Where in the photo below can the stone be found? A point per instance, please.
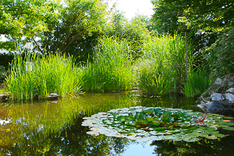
(3, 97)
(53, 96)
(229, 97)
(230, 90)
(218, 81)
(230, 84)
(217, 97)
(217, 107)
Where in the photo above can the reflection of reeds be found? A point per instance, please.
(111, 69)
(51, 73)
(197, 82)
(163, 65)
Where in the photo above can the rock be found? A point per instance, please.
(53, 96)
(230, 84)
(217, 107)
(218, 81)
(230, 90)
(217, 97)
(3, 97)
(229, 97)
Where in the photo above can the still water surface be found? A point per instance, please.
(54, 128)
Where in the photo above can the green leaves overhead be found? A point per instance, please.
(59, 24)
(149, 123)
(25, 19)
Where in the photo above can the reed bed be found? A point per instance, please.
(163, 65)
(197, 82)
(111, 69)
(33, 76)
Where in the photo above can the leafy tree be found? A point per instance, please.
(23, 21)
(220, 54)
(70, 26)
(135, 32)
(201, 19)
(77, 28)
(198, 15)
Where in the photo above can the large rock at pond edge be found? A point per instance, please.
(220, 107)
(219, 98)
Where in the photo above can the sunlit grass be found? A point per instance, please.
(163, 65)
(111, 69)
(50, 73)
(197, 82)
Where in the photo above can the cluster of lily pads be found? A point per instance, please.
(156, 123)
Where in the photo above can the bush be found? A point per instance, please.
(221, 55)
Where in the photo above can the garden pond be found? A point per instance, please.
(56, 128)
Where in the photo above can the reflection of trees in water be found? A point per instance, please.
(55, 128)
(205, 147)
(71, 141)
(170, 101)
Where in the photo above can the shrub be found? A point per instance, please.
(221, 55)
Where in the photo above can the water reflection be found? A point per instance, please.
(46, 128)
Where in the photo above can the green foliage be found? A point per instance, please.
(52, 73)
(75, 31)
(70, 26)
(164, 64)
(197, 82)
(134, 32)
(111, 69)
(26, 19)
(3, 73)
(149, 123)
(221, 55)
(202, 20)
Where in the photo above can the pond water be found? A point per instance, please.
(54, 128)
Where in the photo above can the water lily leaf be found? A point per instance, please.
(211, 137)
(230, 124)
(220, 135)
(142, 139)
(92, 132)
(228, 118)
(93, 129)
(229, 128)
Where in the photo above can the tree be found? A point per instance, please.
(70, 26)
(201, 19)
(135, 32)
(78, 27)
(23, 21)
(202, 15)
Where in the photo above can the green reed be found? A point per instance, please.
(197, 82)
(163, 64)
(111, 68)
(45, 74)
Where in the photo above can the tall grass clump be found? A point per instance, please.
(196, 83)
(163, 65)
(111, 67)
(33, 76)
